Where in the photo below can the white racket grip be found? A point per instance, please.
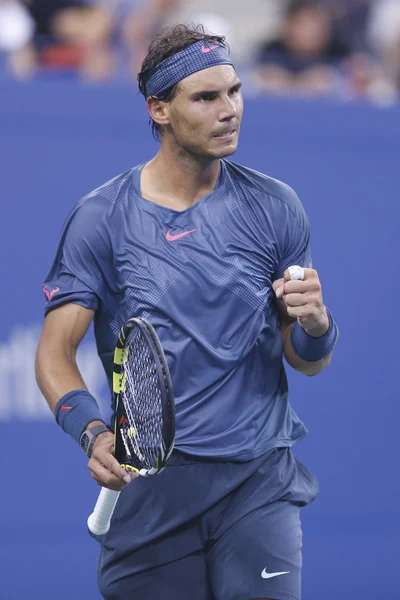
(99, 521)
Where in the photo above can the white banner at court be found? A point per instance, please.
(20, 397)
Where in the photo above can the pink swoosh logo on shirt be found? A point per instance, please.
(206, 49)
(172, 238)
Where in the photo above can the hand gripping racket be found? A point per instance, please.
(144, 424)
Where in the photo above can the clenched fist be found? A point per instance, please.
(304, 302)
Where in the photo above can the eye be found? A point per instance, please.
(234, 91)
(205, 98)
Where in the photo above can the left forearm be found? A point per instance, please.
(310, 339)
(297, 363)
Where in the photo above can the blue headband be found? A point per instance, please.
(196, 57)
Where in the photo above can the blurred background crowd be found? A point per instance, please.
(349, 49)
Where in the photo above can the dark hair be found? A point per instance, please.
(168, 42)
(297, 6)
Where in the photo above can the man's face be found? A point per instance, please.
(308, 31)
(205, 114)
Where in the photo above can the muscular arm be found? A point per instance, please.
(57, 372)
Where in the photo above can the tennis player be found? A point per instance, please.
(200, 246)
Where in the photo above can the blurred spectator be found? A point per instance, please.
(363, 71)
(346, 48)
(384, 32)
(304, 57)
(16, 30)
(142, 20)
(92, 38)
(69, 35)
(324, 49)
(350, 19)
(16, 26)
(244, 24)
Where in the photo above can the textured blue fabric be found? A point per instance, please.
(242, 516)
(203, 278)
(310, 348)
(196, 57)
(75, 411)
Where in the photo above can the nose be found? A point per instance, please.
(228, 109)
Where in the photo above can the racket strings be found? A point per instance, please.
(142, 400)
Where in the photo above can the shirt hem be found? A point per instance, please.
(83, 303)
(248, 455)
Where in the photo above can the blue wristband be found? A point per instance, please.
(312, 349)
(75, 411)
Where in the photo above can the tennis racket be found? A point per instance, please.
(144, 424)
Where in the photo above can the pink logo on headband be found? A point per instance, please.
(206, 49)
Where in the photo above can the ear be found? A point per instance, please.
(158, 110)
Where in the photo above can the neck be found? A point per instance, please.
(178, 179)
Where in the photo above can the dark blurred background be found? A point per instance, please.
(345, 49)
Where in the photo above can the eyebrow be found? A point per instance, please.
(209, 92)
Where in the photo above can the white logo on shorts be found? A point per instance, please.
(266, 575)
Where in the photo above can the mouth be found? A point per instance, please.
(225, 135)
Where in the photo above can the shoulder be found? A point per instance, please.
(90, 222)
(108, 193)
(99, 205)
(274, 194)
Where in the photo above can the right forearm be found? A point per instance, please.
(57, 374)
(61, 383)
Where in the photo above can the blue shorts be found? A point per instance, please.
(209, 531)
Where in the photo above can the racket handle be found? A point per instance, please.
(99, 521)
